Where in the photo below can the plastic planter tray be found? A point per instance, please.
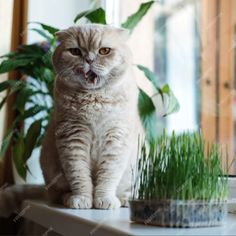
(178, 213)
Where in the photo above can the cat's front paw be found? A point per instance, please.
(77, 201)
(124, 201)
(107, 202)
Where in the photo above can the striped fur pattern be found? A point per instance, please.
(92, 138)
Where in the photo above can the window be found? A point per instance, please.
(190, 46)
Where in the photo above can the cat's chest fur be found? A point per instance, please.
(101, 113)
(92, 107)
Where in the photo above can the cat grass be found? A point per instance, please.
(179, 167)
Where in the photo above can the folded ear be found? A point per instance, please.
(66, 33)
(61, 35)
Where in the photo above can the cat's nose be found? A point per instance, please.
(89, 61)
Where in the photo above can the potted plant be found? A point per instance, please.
(34, 95)
(178, 182)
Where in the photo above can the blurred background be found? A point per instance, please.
(189, 44)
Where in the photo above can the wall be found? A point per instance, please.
(56, 13)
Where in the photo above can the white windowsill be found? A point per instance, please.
(107, 222)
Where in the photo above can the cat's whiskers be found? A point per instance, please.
(65, 72)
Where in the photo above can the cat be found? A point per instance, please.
(92, 138)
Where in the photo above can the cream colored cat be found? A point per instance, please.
(93, 134)
(92, 138)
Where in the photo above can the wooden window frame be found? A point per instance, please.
(217, 84)
(18, 37)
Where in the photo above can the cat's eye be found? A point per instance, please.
(104, 51)
(75, 51)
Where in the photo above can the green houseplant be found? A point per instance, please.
(34, 95)
(179, 182)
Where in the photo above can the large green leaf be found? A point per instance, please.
(42, 33)
(150, 76)
(3, 101)
(22, 98)
(48, 28)
(94, 16)
(40, 74)
(10, 55)
(48, 75)
(13, 64)
(81, 15)
(168, 98)
(31, 112)
(172, 104)
(5, 143)
(5, 85)
(32, 51)
(18, 151)
(31, 138)
(40, 138)
(26, 58)
(165, 88)
(47, 61)
(147, 114)
(135, 18)
(11, 84)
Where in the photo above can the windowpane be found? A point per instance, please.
(190, 45)
(176, 59)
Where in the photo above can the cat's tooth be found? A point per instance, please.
(95, 81)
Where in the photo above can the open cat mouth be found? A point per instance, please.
(91, 77)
